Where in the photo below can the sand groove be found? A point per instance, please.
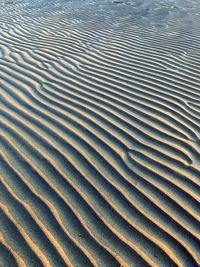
(99, 134)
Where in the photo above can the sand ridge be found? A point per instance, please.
(99, 133)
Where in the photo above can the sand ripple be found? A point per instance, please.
(99, 133)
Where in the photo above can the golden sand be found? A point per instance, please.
(99, 133)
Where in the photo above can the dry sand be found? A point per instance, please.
(99, 133)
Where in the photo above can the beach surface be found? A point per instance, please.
(99, 133)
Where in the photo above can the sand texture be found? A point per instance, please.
(99, 133)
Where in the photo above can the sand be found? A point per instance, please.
(99, 133)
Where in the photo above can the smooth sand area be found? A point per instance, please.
(99, 133)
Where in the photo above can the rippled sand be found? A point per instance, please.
(99, 133)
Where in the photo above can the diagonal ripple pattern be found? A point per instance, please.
(99, 133)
